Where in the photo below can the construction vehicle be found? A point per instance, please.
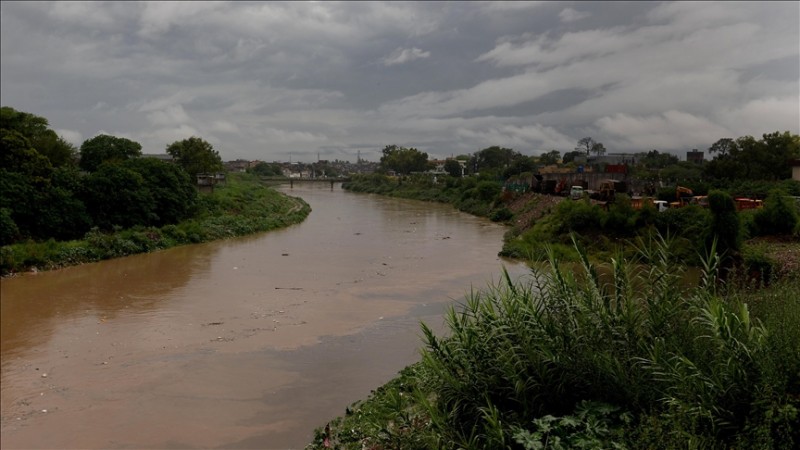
(683, 196)
(748, 203)
(561, 187)
(608, 190)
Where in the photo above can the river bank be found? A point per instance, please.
(242, 206)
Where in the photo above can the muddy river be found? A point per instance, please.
(244, 343)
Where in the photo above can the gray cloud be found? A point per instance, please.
(572, 15)
(404, 55)
(268, 80)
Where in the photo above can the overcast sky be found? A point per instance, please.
(278, 81)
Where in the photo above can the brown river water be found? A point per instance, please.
(244, 343)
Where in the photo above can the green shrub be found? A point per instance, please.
(501, 215)
(578, 216)
(725, 225)
(779, 215)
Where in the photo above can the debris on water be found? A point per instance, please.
(44, 410)
(284, 254)
(235, 268)
(44, 375)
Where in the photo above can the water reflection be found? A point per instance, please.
(31, 306)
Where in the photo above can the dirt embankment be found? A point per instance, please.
(785, 252)
(530, 207)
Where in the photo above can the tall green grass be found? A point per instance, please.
(695, 358)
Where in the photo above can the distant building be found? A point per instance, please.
(240, 165)
(795, 169)
(612, 158)
(695, 156)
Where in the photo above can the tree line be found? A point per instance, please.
(51, 189)
(733, 161)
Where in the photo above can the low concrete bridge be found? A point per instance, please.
(292, 181)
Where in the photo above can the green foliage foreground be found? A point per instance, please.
(240, 207)
(572, 359)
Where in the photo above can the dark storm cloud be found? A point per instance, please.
(270, 80)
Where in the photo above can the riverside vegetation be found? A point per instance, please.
(243, 205)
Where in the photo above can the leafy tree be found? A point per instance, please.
(724, 147)
(585, 145)
(60, 152)
(264, 169)
(196, 156)
(43, 208)
(551, 157)
(18, 155)
(725, 224)
(27, 124)
(403, 160)
(60, 212)
(104, 148)
(778, 216)
(9, 232)
(452, 167)
(598, 149)
(17, 197)
(488, 191)
(519, 164)
(40, 136)
(495, 158)
(749, 159)
(656, 160)
(323, 168)
(171, 187)
(570, 156)
(682, 172)
(779, 149)
(117, 196)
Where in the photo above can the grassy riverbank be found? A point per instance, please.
(242, 206)
(567, 360)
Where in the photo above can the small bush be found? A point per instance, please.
(779, 215)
